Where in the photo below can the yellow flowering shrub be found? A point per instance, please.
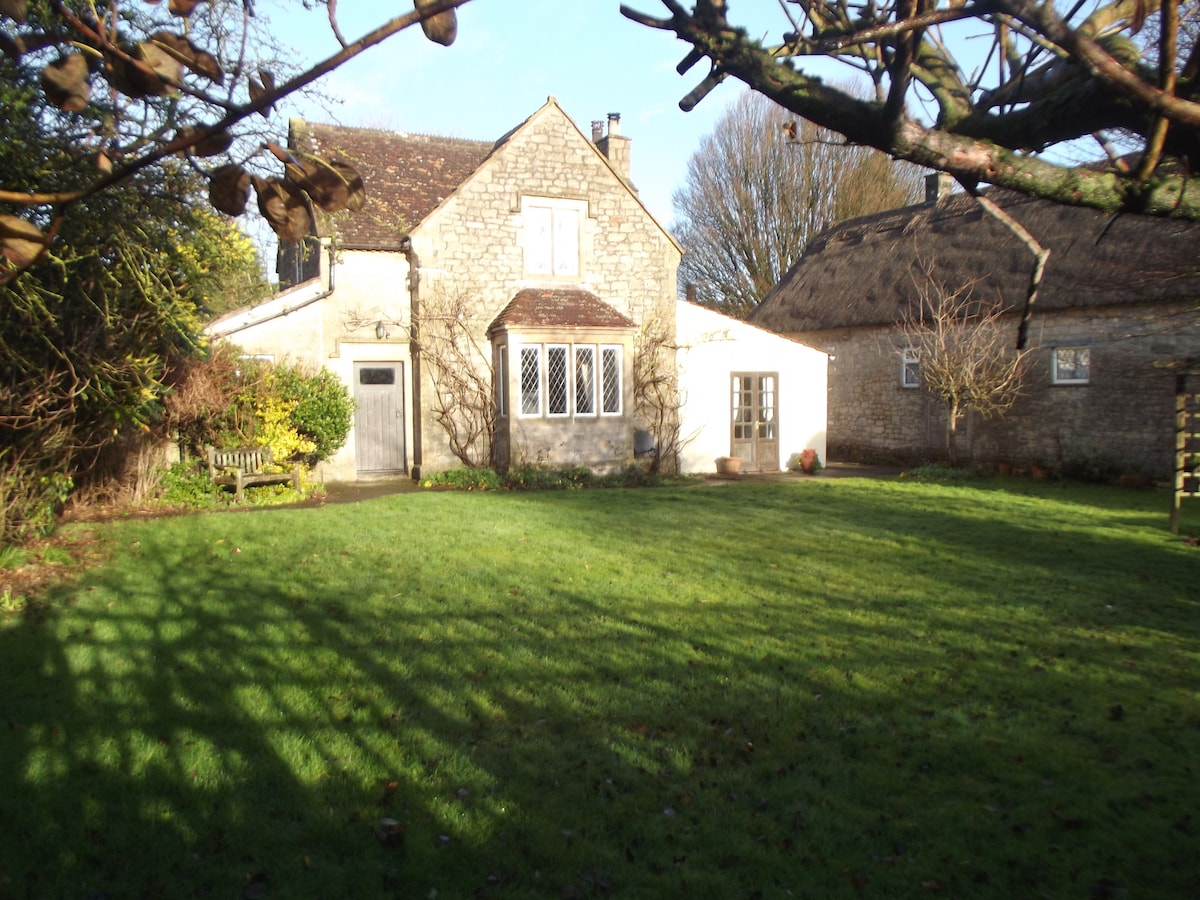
(276, 431)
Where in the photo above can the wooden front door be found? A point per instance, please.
(379, 418)
(755, 424)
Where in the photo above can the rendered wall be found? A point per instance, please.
(712, 347)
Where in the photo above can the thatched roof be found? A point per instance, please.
(865, 271)
(406, 175)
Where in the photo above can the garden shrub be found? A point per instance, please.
(1091, 468)
(323, 410)
(465, 479)
(187, 484)
(547, 478)
(228, 400)
(30, 500)
(277, 429)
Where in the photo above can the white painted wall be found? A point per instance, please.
(713, 346)
(334, 331)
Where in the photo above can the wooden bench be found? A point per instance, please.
(243, 467)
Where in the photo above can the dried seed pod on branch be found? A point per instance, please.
(440, 27)
(145, 94)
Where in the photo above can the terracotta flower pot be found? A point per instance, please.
(729, 465)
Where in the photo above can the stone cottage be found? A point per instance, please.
(488, 302)
(1118, 310)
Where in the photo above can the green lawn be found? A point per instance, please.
(826, 688)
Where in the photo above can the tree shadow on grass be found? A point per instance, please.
(209, 723)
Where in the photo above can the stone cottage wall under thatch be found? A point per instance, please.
(1127, 288)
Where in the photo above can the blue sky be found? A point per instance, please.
(510, 56)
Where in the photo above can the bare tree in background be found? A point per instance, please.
(760, 187)
(1047, 74)
(965, 353)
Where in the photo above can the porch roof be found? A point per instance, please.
(558, 308)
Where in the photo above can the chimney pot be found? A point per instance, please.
(613, 145)
(938, 186)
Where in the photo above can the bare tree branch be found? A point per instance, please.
(964, 355)
(1059, 75)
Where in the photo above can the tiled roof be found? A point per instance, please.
(558, 308)
(406, 176)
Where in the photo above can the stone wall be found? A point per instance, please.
(1121, 421)
(473, 247)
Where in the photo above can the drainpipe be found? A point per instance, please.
(414, 347)
(286, 311)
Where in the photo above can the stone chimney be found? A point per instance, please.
(613, 145)
(938, 186)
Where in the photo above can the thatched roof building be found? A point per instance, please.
(866, 271)
(1119, 298)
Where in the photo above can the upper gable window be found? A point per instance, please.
(552, 236)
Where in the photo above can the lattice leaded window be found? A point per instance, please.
(557, 385)
(610, 378)
(585, 380)
(531, 381)
(570, 379)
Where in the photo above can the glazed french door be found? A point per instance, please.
(754, 432)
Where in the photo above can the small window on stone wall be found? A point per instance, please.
(585, 380)
(610, 380)
(910, 371)
(1071, 365)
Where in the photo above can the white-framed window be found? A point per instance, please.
(610, 380)
(501, 380)
(910, 367)
(1070, 365)
(570, 380)
(585, 380)
(552, 229)
(558, 380)
(531, 380)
